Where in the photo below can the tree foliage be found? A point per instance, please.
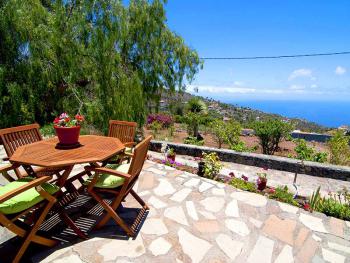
(339, 149)
(270, 133)
(196, 110)
(102, 58)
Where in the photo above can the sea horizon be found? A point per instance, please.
(331, 114)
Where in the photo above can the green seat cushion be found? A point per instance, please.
(111, 181)
(25, 199)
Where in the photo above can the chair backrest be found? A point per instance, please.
(123, 130)
(14, 137)
(139, 157)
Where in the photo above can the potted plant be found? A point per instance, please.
(171, 154)
(262, 181)
(68, 129)
(212, 165)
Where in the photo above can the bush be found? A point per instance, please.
(165, 120)
(307, 153)
(243, 185)
(271, 133)
(212, 165)
(282, 194)
(155, 127)
(193, 141)
(339, 149)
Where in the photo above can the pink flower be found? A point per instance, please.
(272, 190)
(307, 207)
(56, 121)
(245, 178)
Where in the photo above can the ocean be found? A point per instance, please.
(330, 114)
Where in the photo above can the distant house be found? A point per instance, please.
(226, 119)
(311, 137)
(247, 132)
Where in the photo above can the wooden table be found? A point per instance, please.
(94, 149)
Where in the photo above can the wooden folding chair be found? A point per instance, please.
(14, 137)
(119, 182)
(23, 199)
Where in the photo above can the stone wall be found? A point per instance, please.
(261, 160)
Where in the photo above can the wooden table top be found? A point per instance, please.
(43, 153)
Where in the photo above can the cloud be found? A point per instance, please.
(340, 70)
(296, 87)
(302, 72)
(220, 89)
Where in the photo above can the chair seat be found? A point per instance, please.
(128, 150)
(111, 181)
(23, 200)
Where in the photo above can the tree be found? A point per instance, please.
(218, 128)
(196, 109)
(339, 149)
(270, 133)
(98, 57)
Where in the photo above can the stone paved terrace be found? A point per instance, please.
(194, 219)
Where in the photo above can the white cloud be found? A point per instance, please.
(302, 72)
(238, 83)
(340, 70)
(314, 86)
(220, 89)
(296, 87)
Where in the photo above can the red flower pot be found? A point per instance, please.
(171, 157)
(261, 184)
(68, 135)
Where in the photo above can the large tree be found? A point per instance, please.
(98, 57)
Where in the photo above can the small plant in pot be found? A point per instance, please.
(262, 181)
(212, 165)
(171, 154)
(68, 129)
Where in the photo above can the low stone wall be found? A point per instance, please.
(261, 160)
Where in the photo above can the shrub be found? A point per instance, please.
(196, 110)
(193, 141)
(164, 119)
(218, 128)
(307, 153)
(339, 149)
(282, 194)
(212, 165)
(243, 185)
(271, 133)
(155, 127)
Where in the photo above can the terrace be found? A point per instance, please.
(194, 219)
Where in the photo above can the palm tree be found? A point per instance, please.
(195, 109)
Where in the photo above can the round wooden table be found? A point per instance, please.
(44, 153)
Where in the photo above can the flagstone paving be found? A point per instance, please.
(197, 220)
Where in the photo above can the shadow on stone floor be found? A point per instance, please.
(66, 237)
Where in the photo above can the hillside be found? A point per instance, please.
(174, 102)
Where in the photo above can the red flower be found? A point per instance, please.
(66, 120)
(245, 178)
(56, 120)
(272, 190)
(307, 207)
(79, 118)
(231, 174)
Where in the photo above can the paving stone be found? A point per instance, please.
(56, 254)
(164, 188)
(262, 251)
(307, 251)
(191, 210)
(316, 238)
(281, 229)
(288, 208)
(154, 226)
(213, 204)
(176, 214)
(122, 248)
(237, 226)
(123, 261)
(156, 203)
(159, 246)
(314, 223)
(207, 226)
(218, 191)
(232, 209)
(204, 187)
(332, 257)
(156, 171)
(255, 222)
(181, 195)
(231, 248)
(69, 259)
(250, 198)
(301, 237)
(194, 247)
(336, 226)
(341, 248)
(144, 193)
(207, 215)
(193, 182)
(286, 255)
(347, 223)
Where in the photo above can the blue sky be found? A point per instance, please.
(233, 28)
